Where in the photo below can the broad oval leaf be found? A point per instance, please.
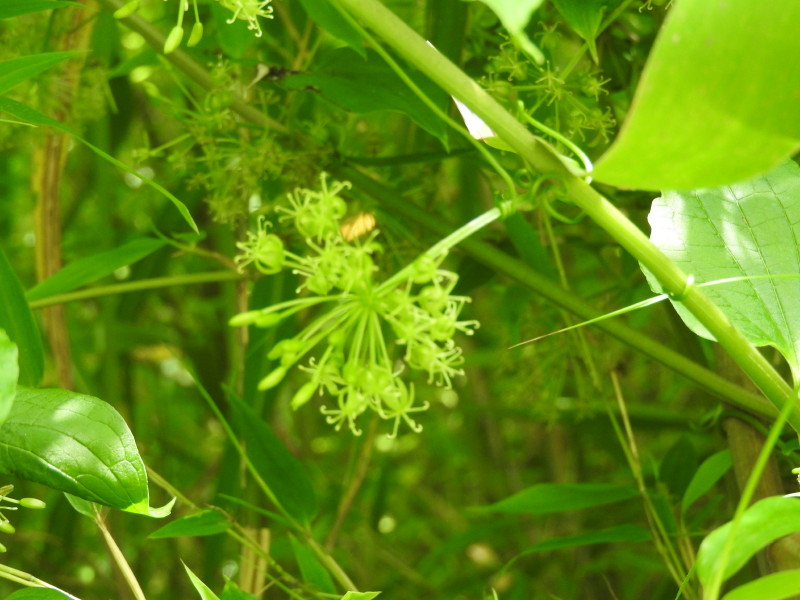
(92, 268)
(76, 444)
(15, 8)
(761, 524)
(743, 230)
(546, 498)
(717, 101)
(775, 586)
(205, 522)
(17, 321)
(585, 17)
(9, 374)
(364, 86)
(326, 16)
(15, 71)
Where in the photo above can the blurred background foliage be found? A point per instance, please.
(396, 514)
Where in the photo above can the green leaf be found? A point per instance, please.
(9, 374)
(15, 71)
(546, 498)
(764, 522)
(232, 592)
(360, 595)
(613, 535)
(15, 8)
(364, 86)
(29, 115)
(92, 268)
(678, 467)
(514, 15)
(76, 444)
(326, 16)
(585, 17)
(748, 229)
(775, 586)
(710, 472)
(717, 101)
(202, 589)
(17, 321)
(279, 468)
(310, 568)
(205, 522)
(36, 594)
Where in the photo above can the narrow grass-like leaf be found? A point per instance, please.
(749, 229)
(76, 444)
(29, 115)
(17, 321)
(310, 568)
(202, 589)
(16, 70)
(613, 535)
(205, 522)
(546, 498)
(761, 524)
(775, 586)
(708, 473)
(364, 86)
(15, 8)
(9, 374)
(279, 468)
(92, 268)
(717, 101)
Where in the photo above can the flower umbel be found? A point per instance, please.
(355, 341)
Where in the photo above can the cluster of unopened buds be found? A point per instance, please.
(352, 341)
(246, 10)
(5, 524)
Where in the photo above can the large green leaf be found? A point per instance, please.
(92, 268)
(514, 15)
(27, 114)
(9, 374)
(310, 568)
(76, 444)
(279, 468)
(747, 229)
(585, 17)
(326, 16)
(36, 594)
(364, 86)
(775, 586)
(718, 99)
(14, 8)
(15, 71)
(546, 498)
(17, 321)
(202, 589)
(761, 524)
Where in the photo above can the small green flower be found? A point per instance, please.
(263, 249)
(249, 10)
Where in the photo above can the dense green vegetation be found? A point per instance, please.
(276, 309)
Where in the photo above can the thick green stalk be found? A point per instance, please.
(408, 44)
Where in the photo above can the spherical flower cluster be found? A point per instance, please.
(353, 343)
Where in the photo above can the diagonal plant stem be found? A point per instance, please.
(411, 46)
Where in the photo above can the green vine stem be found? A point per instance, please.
(408, 44)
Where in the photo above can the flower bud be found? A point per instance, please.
(173, 39)
(196, 35)
(34, 503)
(273, 379)
(7, 527)
(303, 395)
(127, 10)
